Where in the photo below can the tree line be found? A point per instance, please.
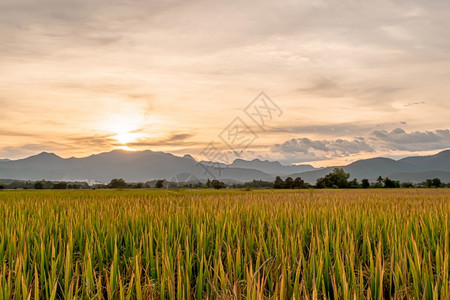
(338, 178)
(43, 184)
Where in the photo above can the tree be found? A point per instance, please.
(2, 187)
(257, 184)
(278, 183)
(159, 184)
(365, 184)
(321, 183)
(388, 183)
(379, 182)
(217, 184)
(117, 184)
(60, 185)
(39, 185)
(337, 179)
(436, 182)
(299, 183)
(139, 185)
(407, 185)
(198, 185)
(353, 183)
(208, 183)
(288, 183)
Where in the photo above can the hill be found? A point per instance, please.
(148, 165)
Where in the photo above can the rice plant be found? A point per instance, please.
(175, 244)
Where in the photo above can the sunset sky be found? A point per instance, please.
(351, 79)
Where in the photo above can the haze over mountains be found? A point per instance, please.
(141, 166)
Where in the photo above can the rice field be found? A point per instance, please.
(207, 244)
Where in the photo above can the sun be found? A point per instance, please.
(123, 129)
(126, 137)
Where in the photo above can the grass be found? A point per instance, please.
(138, 244)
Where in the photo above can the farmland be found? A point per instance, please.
(182, 244)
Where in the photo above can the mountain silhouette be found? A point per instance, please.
(149, 165)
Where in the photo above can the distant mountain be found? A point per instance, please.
(148, 165)
(421, 176)
(439, 161)
(271, 167)
(131, 166)
(408, 169)
(189, 157)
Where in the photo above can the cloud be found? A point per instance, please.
(399, 139)
(178, 139)
(26, 150)
(335, 129)
(191, 64)
(326, 148)
(101, 141)
(14, 133)
(82, 145)
(339, 88)
(414, 103)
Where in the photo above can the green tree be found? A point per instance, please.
(407, 185)
(379, 182)
(365, 184)
(278, 183)
(388, 183)
(338, 178)
(353, 183)
(436, 182)
(2, 186)
(217, 184)
(117, 184)
(288, 183)
(299, 183)
(321, 183)
(159, 184)
(60, 185)
(138, 185)
(198, 185)
(39, 185)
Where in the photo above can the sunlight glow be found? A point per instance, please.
(127, 137)
(126, 148)
(124, 129)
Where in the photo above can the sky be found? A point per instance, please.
(341, 80)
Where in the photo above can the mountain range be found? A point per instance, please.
(141, 166)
